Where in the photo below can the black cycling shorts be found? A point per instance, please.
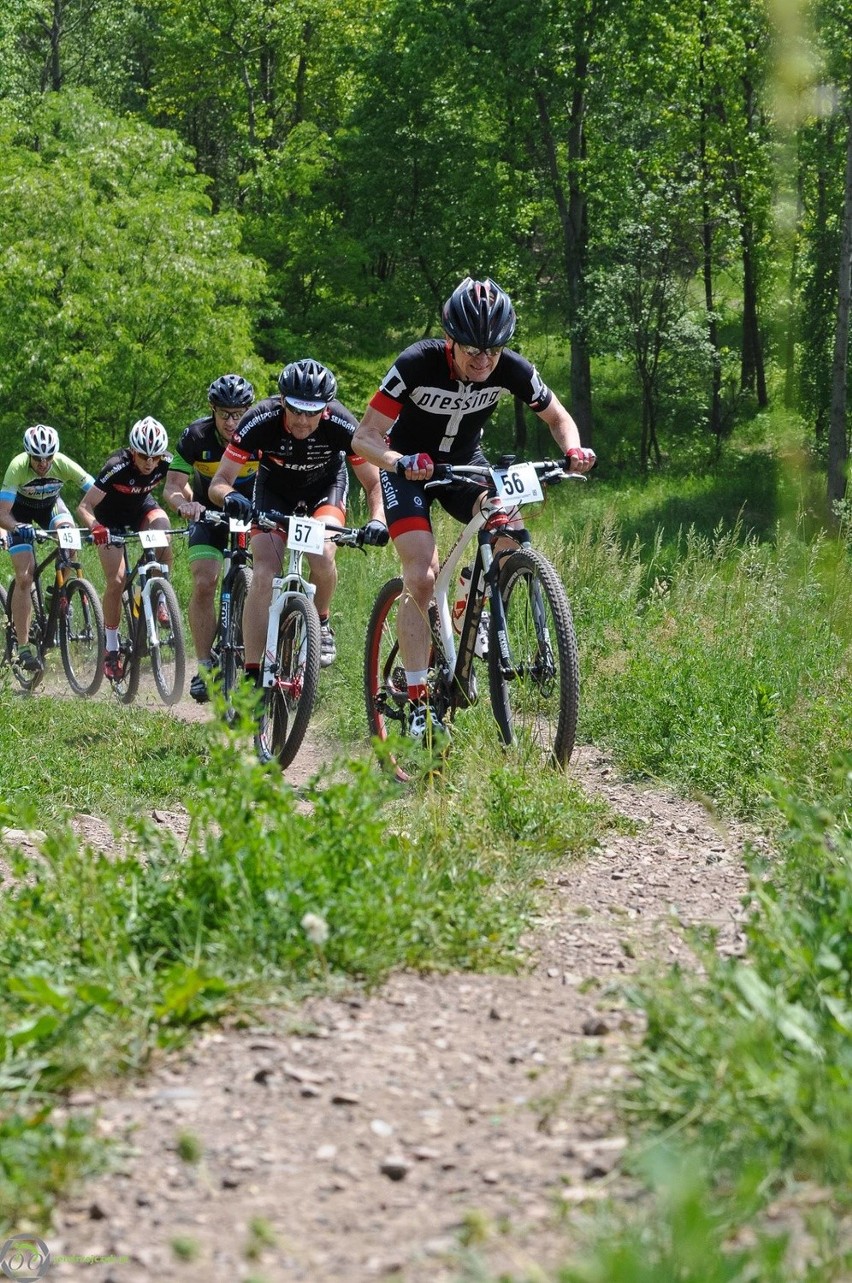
(408, 503)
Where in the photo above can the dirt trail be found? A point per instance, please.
(362, 1137)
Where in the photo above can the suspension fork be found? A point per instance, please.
(284, 588)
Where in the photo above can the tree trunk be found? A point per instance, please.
(838, 440)
(707, 244)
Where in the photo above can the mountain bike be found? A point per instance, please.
(66, 611)
(152, 624)
(291, 658)
(228, 650)
(532, 663)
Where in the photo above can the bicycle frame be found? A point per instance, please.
(284, 588)
(235, 555)
(47, 616)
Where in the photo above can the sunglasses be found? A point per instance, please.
(479, 351)
(230, 416)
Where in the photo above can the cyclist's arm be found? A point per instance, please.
(7, 521)
(368, 475)
(177, 495)
(370, 439)
(88, 503)
(223, 482)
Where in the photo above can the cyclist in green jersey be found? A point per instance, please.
(29, 497)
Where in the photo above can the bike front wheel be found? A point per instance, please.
(289, 702)
(81, 637)
(535, 695)
(130, 652)
(168, 655)
(232, 651)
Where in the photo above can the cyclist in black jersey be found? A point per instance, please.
(122, 499)
(302, 440)
(196, 459)
(432, 407)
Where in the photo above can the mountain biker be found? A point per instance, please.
(431, 407)
(121, 500)
(30, 496)
(303, 438)
(197, 456)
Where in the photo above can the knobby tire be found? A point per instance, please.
(286, 714)
(168, 659)
(81, 637)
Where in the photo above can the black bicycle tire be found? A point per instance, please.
(92, 609)
(38, 622)
(169, 694)
(288, 728)
(522, 565)
(230, 666)
(374, 681)
(127, 688)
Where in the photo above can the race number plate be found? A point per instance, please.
(68, 537)
(238, 527)
(518, 484)
(305, 534)
(153, 539)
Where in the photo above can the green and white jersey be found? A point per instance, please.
(21, 483)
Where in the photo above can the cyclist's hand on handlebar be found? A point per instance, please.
(375, 533)
(416, 467)
(100, 535)
(237, 505)
(22, 534)
(190, 510)
(580, 459)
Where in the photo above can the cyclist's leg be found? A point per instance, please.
(112, 563)
(206, 546)
(155, 518)
(23, 563)
(324, 577)
(268, 552)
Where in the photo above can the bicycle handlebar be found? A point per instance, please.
(343, 536)
(117, 540)
(550, 471)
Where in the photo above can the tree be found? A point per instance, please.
(124, 294)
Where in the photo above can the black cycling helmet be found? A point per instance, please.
(230, 391)
(479, 314)
(307, 385)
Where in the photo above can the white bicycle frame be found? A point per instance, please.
(147, 571)
(284, 588)
(450, 569)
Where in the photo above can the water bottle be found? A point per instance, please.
(462, 594)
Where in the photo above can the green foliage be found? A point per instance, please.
(124, 292)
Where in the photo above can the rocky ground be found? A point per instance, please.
(443, 1122)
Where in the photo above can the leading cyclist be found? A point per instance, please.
(432, 407)
(30, 496)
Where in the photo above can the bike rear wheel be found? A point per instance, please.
(288, 704)
(232, 654)
(81, 637)
(536, 696)
(168, 656)
(28, 679)
(386, 690)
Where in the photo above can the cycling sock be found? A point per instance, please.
(416, 683)
(111, 638)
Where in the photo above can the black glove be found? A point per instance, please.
(21, 535)
(375, 533)
(236, 505)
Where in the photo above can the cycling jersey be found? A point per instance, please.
(442, 416)
(288, 465)
(127, 491)
(40, 493)
(198, 454)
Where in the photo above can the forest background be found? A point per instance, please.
(666, 193)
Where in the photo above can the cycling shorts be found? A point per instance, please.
(408, 503)
(207, 539)
(326, 501)
(34, 514)
(117, 519)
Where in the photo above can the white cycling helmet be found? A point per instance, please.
(148, 437)
(41, 442)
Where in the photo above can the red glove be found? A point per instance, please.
(415, 463)
(100, 535)
(582, 455)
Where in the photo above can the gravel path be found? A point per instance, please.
(361, 1138)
